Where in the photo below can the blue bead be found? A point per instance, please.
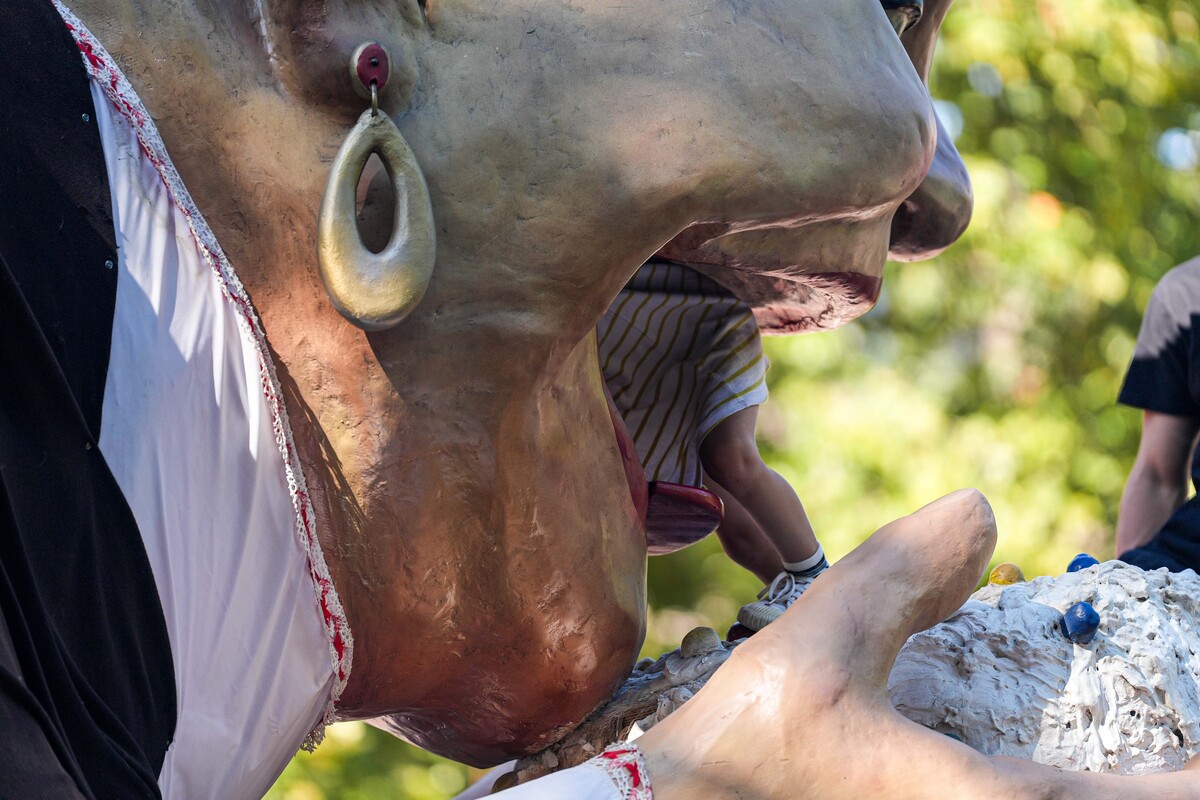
(1081, 561)
(1080, 623)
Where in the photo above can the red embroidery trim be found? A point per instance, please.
(631, 768)
(625, 766)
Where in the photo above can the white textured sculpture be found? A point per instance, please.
(1001, 676)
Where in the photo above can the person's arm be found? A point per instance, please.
(1158, 483)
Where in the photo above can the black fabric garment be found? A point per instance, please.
(87, 692)
(1165, 377)
(56, 221)
(1168, 380)
(1176, 546)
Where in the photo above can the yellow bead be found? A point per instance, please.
(1006, 573)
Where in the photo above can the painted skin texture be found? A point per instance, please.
(473, 504)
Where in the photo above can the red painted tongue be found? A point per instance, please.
(679, 516)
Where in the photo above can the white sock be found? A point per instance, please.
(809, 567)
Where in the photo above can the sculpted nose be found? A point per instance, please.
(903, 13)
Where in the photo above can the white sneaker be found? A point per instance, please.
(773, 600)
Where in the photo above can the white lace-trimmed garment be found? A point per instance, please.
(195, 433)
(618, 773)
(679, 354)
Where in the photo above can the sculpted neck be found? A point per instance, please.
(485, 545)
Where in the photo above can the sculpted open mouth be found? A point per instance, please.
(676, 515)
(805, 277)
(788, 291)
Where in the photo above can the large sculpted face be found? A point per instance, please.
(483, 529)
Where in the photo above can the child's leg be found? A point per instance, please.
(730, 455)
(743, 541)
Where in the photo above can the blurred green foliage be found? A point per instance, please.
(995, 365)
(358, 762)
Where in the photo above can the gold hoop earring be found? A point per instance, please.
(375, 291)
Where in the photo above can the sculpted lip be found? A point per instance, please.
(834, 298)
(802, 302)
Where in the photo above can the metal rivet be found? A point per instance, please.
(87, 118)
(108, 264)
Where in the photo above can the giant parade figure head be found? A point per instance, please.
(480, 511)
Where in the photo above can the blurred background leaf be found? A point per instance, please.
(995, 365)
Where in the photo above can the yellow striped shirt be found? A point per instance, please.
(680, 353)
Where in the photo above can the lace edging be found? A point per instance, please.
(101, 66)
(625, 766)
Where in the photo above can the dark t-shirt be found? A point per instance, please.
(1165, 373)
